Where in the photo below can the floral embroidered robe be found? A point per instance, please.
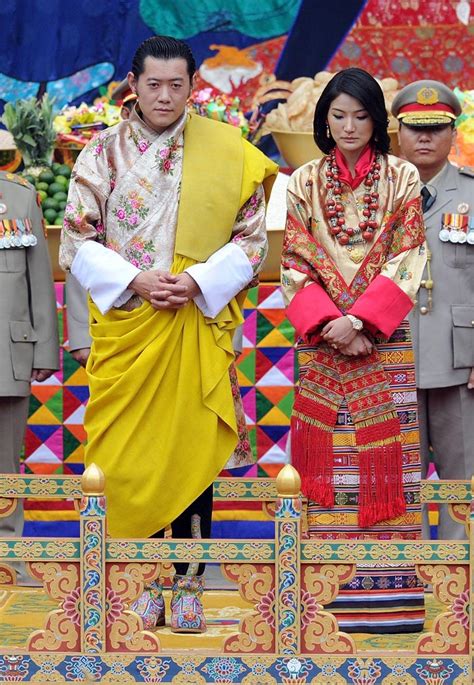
(130, 205)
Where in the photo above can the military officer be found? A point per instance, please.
(443, 320)
(29, 347)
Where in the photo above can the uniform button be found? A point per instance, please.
(423, 310)
(25, 337)
(472, 323)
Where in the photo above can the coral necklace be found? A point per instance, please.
(346, 235)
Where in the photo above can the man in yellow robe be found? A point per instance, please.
(164, 227)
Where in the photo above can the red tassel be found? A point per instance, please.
(381, 487)
(313, 458)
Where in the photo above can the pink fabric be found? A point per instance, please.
(382, 306)
(309, 310)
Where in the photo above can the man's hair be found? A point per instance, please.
(364, 88)
(162, 47)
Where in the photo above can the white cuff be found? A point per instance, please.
(225, 274)
(104, 274)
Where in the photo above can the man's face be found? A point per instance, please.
(426, 146)
(163, 89)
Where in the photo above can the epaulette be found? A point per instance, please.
(15, 178)
(467, 171)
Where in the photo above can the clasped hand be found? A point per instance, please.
(342, 336)
(164, 290)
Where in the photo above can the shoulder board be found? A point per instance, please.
(15, 178)
(467, 171)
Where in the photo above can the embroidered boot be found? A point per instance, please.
(187, 614)
(150, 606)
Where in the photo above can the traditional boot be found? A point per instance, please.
(150, 606)
(187, 614)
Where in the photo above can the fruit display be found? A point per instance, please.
(52, 185)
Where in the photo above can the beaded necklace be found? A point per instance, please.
(364, 231)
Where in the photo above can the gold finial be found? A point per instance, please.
(288, 482)
(93, 481)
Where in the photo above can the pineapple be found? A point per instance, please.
(31, 124)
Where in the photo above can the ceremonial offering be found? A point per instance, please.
(75, 126)
(212, 104)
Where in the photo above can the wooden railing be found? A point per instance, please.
(287, 637)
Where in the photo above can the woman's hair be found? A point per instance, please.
(364, 88)
(162, 47)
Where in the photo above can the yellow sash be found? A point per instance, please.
(221, 171)
(160, 421)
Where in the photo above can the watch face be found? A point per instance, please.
(357, 324)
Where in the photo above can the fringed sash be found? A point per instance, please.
(363, 383)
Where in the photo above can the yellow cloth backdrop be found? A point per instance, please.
(161, 421)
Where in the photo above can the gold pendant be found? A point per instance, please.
(356, 254)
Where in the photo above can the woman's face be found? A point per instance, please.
(350, 124)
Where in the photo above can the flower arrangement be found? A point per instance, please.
(77, 125)
(208, 102)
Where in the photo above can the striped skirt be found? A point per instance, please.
(386, 599)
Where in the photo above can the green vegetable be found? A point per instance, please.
(49, 215)
(60, 197)
(41, 185)
(62, 180)
(46, 176)
(59, 220)
(55, 188)
(49, 203)
(64, 170)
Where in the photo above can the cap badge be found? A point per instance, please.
(427, 96)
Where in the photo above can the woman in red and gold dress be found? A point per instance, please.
(353, 258)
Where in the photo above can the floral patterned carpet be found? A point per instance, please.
(23, 609)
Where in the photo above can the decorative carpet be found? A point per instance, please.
(23, 609)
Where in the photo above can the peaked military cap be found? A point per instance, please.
(426, 103)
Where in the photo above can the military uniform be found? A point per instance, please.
(443, 320)
(77, 314)
(28, 319)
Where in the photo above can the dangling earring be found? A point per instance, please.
(328, 132)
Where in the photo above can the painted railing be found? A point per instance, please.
(287, 637)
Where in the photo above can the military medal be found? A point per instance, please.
(470, 231)
(16, 233)
(444, 235)
(3, 208)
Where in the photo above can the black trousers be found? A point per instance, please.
(182, 527)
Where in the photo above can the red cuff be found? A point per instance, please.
(310, 308)
(383, 306)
